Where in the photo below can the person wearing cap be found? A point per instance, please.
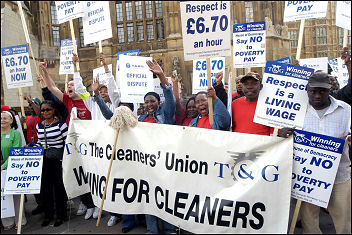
(326, 115)
(239, 92)
(243, 109)
(32, 120)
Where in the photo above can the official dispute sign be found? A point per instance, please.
(135, 77)
(130, 53)
(17, 68)
(24, 170)
(283, 100)
(203, 181)
(299, 10)
(68, 10)
(96, 21)
(66, 54)
(343, 14)
(249, 45)
(199, 80)
(320, 63)
(316, 160)
(7, 207)
(206, 29)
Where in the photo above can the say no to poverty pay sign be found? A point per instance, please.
(66, 54)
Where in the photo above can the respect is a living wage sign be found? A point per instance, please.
(249, 45)
(316, 160)
(283, 100)
(17, 68)
(206, 29)
(299, 10)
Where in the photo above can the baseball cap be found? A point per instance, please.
(319, 79)
(4, 108)
(251, 75)
(36, 100)
(239, 78)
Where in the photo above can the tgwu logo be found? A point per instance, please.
(276, 69)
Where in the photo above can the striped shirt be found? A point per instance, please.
(335, 122)
(55, 134)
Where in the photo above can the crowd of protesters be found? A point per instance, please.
(328, 113)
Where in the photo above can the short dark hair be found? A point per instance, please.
(51, 104)
(130, 105)
(200, 93)
(152, 93)
(189, 100)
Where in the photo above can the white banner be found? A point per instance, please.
(100, 72)
(24, 170)
(343, 14)
(298, 10)
(249, 45)
(343, 76)
(158, 89)
(205, 181)
(66, 54)
(96, 21)
(68, 10)
(316, 160)
(135, 77)
(17, 68)
(206, 29)
(7, 207)
(315, 63)
(283, 100)
(199, 80)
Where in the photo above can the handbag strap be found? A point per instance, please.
(46, 143)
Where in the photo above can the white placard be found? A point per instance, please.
(249, 45)
(135, 77)
(343, 14)
(169, 171)
(343, 76)
(96, 21)
(316, 160)
(100, 72)
(130, 53)
(7, 206)
(17, 68)
(66, 54)
(24, 170)
(199, 80)
(320, 63)
(283, 100)
(159, 90)
(334, 66)
(206, 29)
(298, 10)
(68, 10)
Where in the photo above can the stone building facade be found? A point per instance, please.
(153, 27)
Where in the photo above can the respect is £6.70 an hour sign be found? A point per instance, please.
(206, 29)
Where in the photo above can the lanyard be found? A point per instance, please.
(32, 125)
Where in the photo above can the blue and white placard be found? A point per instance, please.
(343, 14)
(101, 74)
(249, 45)
(66, 54)
(299, 10)
(130, 53)
(17, 68)
(24, 170)
(96, 21)
(199, 80)
(285, 60)
(283, 100)
(316, 160)
(320, 63)
(343, 76)
(7, 207)
(206, 29)
(68, 10)
(136, 79)
(334, 66)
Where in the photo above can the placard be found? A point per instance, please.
(130, 53)
(343, 76)
(299, 10)
(320, 63)
(7, 206)
(66, 54)
(343, 14)
(100, 72)
(17, 68)
(285, 60)
(249, 45)
(334, 66)
(68, 10)
(206, 29)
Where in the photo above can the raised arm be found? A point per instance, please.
(175, 90)
(219, 88)
(107, 113)
(49, 81)
(155, 68)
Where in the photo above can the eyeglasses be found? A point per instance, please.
(47, 110)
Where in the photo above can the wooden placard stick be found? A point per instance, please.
(74, 42)
(66, 81)
(345, 37)
(19, 224)
(210, 100)
(100, 51)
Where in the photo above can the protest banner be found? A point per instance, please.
(283, 100)
(316, 160)
(66, 54)
(17, 68)
(96, 21)
(221, 185)
(343, 76)
(249, 45)
(285, 60)
(135, 77)
(320, 63)
(299, 10)
(100, 73)
(199, 80)
(334, 67)
(68, 10)
(343, 14)
(7, 206)
(24, 170)
(159, 90)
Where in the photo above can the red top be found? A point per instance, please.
(203, 122)
(150, 119)
(235, 94)
(242, 118)
(82, 112)
(183, 118)
(31, 122)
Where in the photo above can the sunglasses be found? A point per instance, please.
(47, 110)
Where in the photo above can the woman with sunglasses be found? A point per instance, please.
(52, 133)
